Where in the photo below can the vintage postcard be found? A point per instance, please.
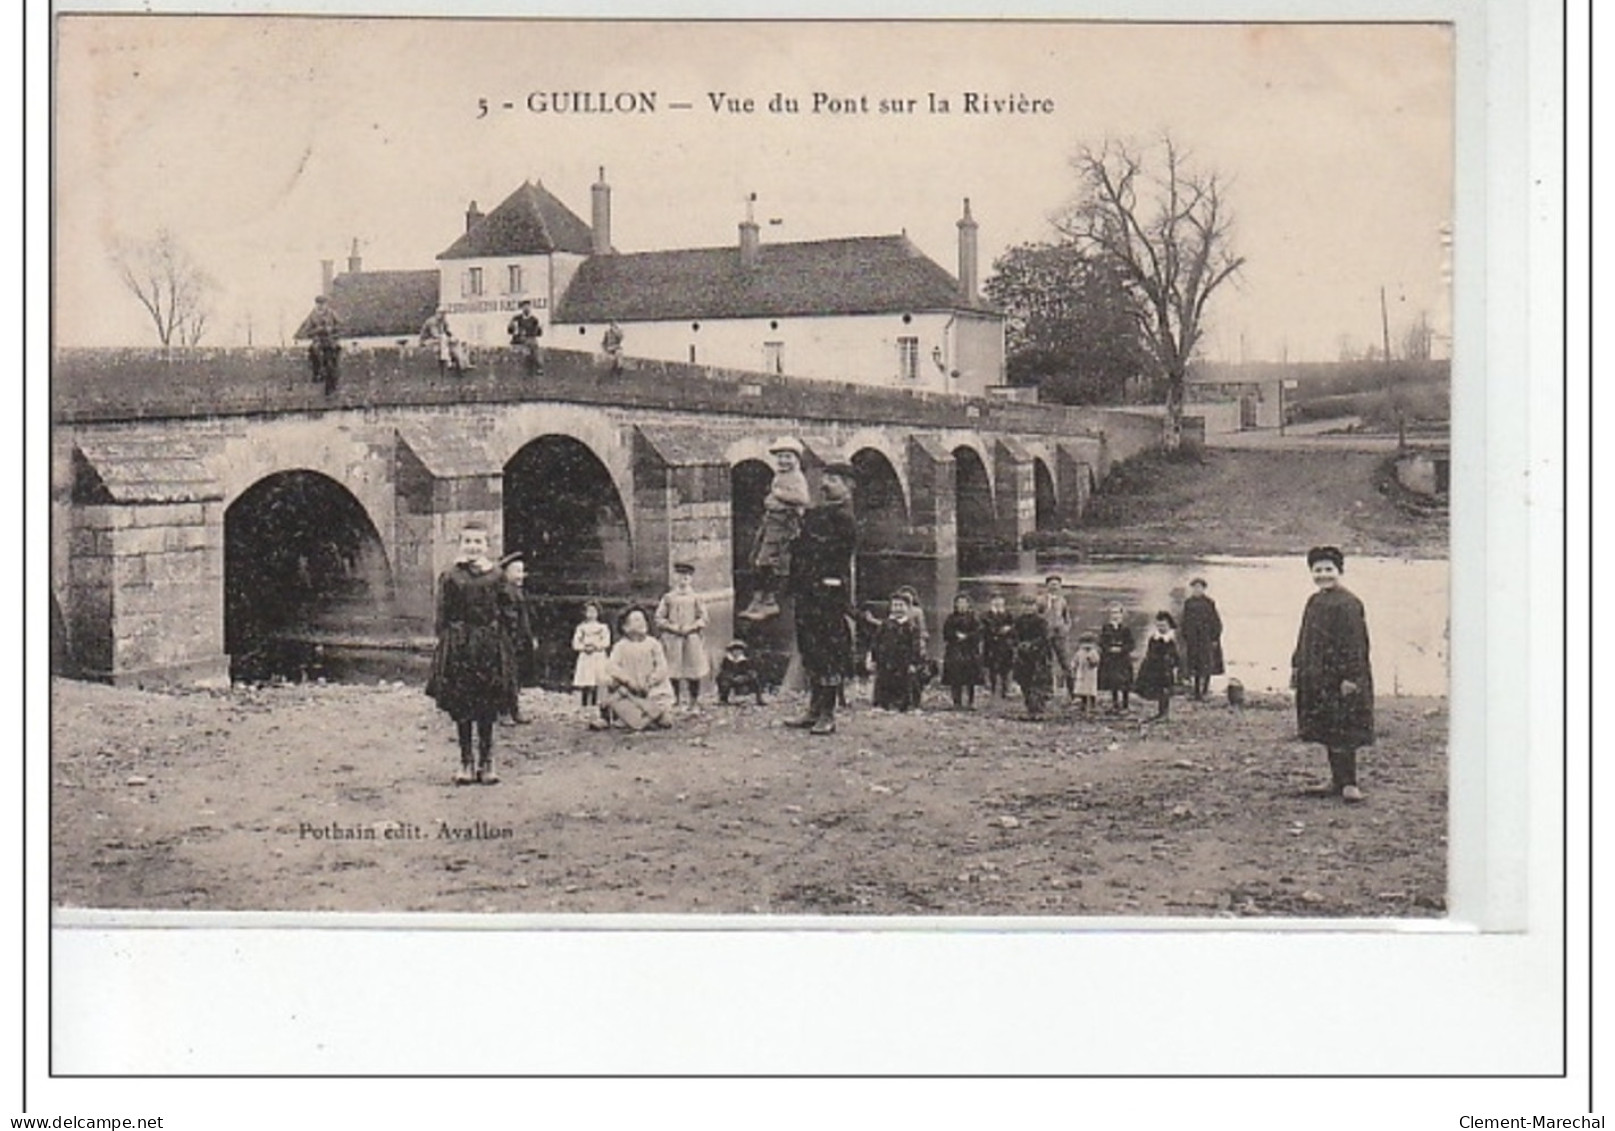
(938, 469)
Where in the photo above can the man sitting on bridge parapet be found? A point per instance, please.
(525, 330)
(451, 351)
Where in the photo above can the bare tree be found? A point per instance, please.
(1417, 342)
(170, 284)
(1162, 226)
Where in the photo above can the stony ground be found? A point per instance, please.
(215, 800)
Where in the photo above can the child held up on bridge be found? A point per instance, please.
(787, 499)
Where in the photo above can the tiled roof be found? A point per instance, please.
(530, 221)
(381, 304)
(861, 275)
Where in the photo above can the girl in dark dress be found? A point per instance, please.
(1116, 659)
(1034, 658)
(473, 669)
(1334, 684)
(1158, 670)
(1202, 637)
(961, 652)
(998, 645)
(897, 656)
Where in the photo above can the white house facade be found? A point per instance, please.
(869, 310)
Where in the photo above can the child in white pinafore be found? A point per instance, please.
(591, 640)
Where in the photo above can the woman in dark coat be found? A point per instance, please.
(1201, 634)
(1116, 659)
(961, 652)
(473, 668)
(1334, 684)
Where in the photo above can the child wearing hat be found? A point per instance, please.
(787, 499)
(681, 619)
(737, 675)
(1158, 670)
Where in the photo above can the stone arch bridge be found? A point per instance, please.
(205, 501)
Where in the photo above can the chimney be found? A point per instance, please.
(472, 215)
(600, 196)
(967, 256)
(355, 264)
(327, 270)
(749, 238)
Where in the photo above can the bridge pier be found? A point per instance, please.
(1015, 487)
(145, 592)
(443, 482)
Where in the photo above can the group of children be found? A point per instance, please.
(1032, 647)
(640, 681)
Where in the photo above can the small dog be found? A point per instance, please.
(1236, 694)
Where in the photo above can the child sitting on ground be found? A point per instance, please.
(737, 675)
(896, 657)
(634, 688)
(788, 497)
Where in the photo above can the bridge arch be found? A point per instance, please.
(319, 445)
(975, 515)
(1043, 491)
(302, 559)
(564, 511)
(883, 522)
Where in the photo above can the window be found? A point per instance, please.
(773, 357)
(513, 279)
(908, 359)
(472, 284)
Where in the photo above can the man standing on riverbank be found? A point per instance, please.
(821, 578)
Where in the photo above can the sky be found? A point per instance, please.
(268, 144)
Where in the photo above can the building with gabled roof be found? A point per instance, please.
(871, 310)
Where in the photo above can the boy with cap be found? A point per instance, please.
(783, 507)
(680, 620)
(737, 675)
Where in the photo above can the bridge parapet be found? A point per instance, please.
(105, 385)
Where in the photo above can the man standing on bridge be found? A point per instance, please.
(323, 350)
(821, 578)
